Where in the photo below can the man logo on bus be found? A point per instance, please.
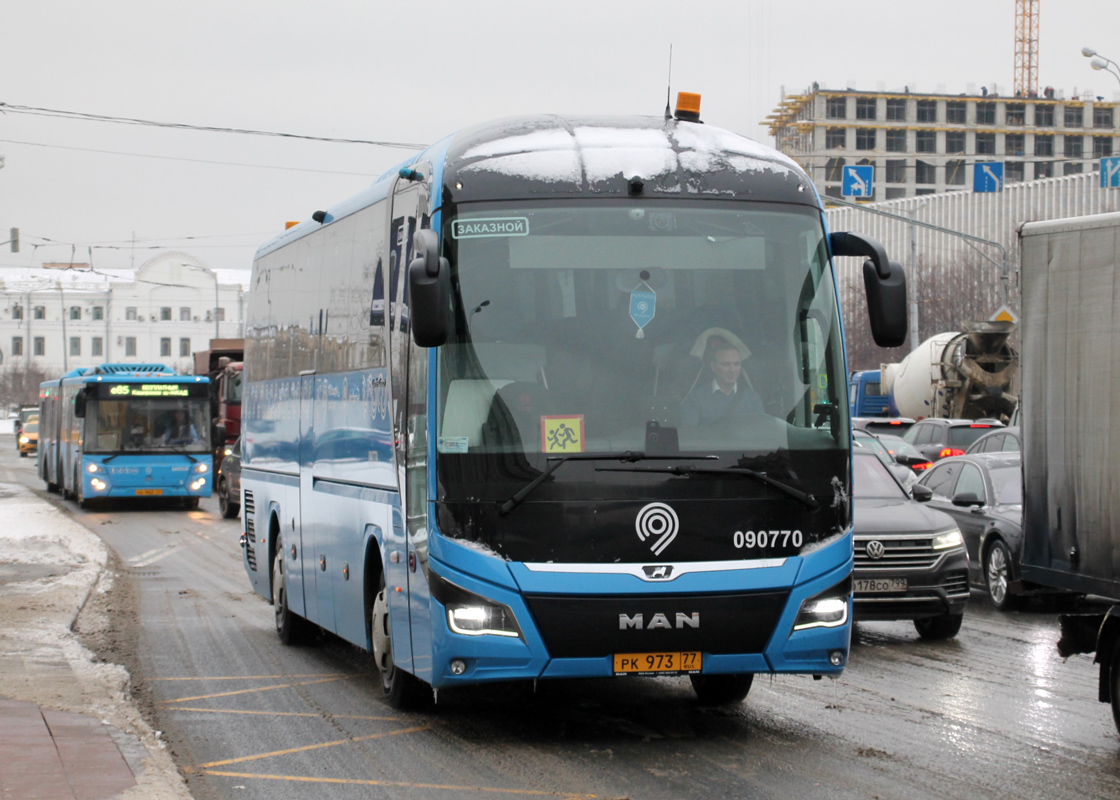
(657, 521)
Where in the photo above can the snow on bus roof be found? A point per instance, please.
(599, 153)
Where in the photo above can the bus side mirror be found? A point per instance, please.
(886, 304)
(885, 285)
(429, 285)
(80, 400)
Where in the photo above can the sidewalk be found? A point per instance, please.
(68, 726)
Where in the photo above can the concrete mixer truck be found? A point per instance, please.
(965, 374)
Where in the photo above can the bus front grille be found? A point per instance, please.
(592, 627)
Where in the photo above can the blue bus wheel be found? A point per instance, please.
(402, 690)
(289, 627)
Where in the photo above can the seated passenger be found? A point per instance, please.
(725, 396)
(181, 431)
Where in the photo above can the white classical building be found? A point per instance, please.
(55, 320)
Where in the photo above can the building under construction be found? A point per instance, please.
(929, 143)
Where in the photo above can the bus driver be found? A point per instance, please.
(181, 431)
(725, 396)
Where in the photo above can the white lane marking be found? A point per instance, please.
(152, 556)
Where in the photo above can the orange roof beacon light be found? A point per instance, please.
(688, 107)
(291, 223)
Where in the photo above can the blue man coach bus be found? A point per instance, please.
(469, 445)
(126, 431)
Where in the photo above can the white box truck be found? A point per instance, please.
(1071, 427)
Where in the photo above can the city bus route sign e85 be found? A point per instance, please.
(657, 663)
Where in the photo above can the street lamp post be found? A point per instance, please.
(1099, 62)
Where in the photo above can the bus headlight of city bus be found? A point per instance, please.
(829, 609)
(98, 484)
(198, 484)
(471, 614)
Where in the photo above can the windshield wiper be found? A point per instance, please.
(179, 450)
(762, 477)
(629, 457)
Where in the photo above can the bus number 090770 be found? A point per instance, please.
(749, 540)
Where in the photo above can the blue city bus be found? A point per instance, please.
(126, 430)
(464, 446)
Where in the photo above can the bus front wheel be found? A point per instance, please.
(721, 690)
(402, 690)
(289, 627)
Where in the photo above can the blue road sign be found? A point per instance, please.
(1110, 173)
(987, 176)
(858, 181)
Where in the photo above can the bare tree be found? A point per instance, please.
(19, 385)
(949, 294)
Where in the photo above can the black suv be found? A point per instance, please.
(941, 438)
(910, 559)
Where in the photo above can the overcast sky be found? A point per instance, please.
(414, 72)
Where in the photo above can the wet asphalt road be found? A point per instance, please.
(993, 713)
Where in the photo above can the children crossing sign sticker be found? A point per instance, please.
(562, 434)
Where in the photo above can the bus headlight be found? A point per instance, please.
(829, 609)
(98, 484)
(470, 614)
(94, 468)
(201, 468)
(198, 484)
(950, 538)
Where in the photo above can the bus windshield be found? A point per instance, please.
(149, 425)
(704, 328)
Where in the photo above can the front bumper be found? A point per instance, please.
(571, 625)
(942, 589)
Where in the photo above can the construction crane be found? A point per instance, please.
(1026, 48)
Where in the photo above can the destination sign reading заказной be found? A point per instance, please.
(475, 228)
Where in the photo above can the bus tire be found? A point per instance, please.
(289, 627)
(402, 690)
(721, 690)
(944, 627)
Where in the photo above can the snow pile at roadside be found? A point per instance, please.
(49, 565)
